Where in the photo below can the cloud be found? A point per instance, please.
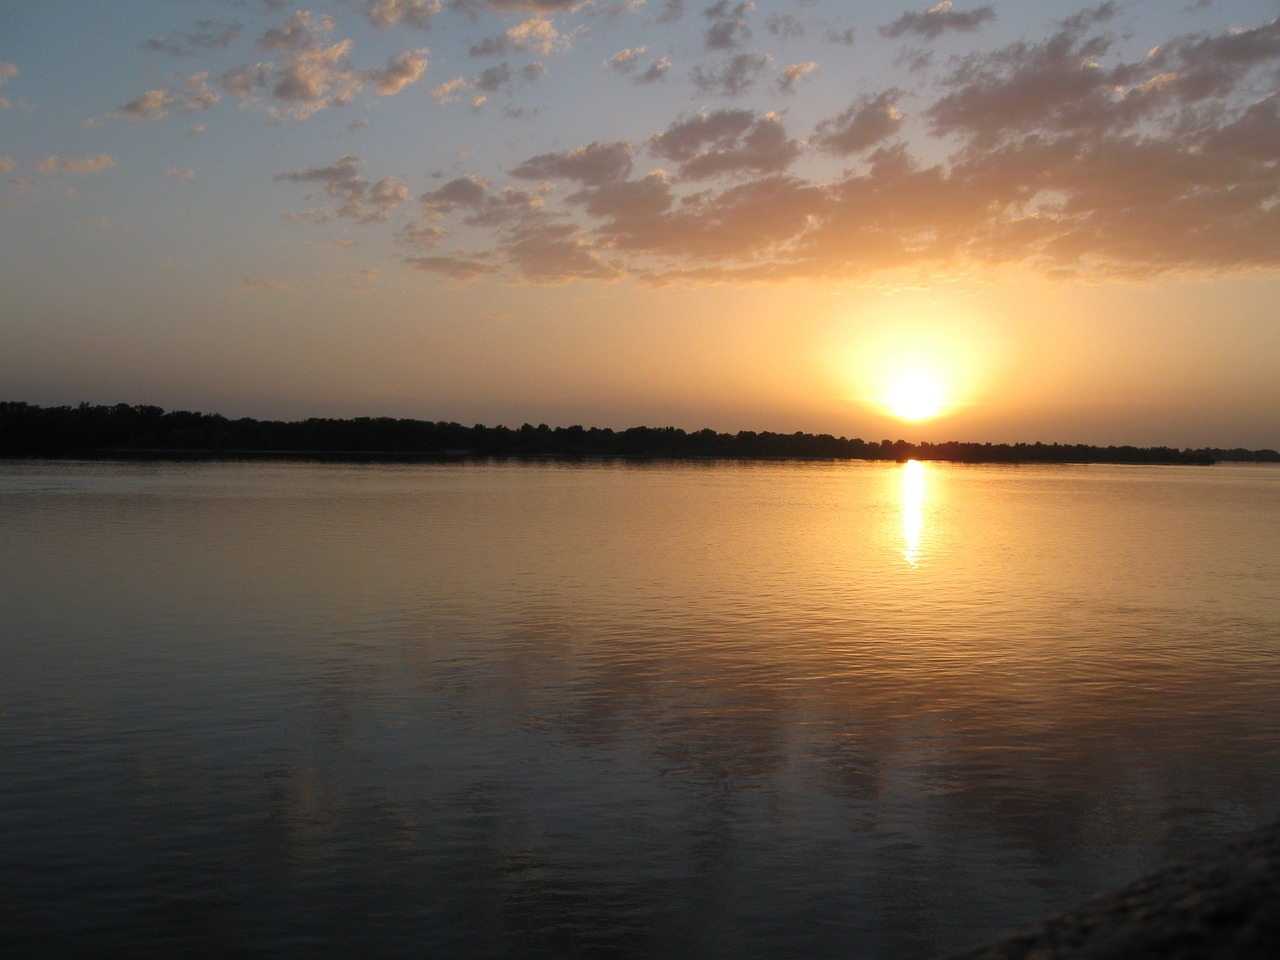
(871, 120)
(6, 164)
(593, 164)
(1213, 66)
(315, 78)
(458, 268)
(843, 38)
(312, 216)
(1060, 85)
(474, 7)
(83, 165)
(308, 74)
(242, 81)
(461, 192)
(301, 31)
(624, 61)
(401, 70)
(181, 173)
(793, 74)
(195, 94)
(488, 80)
(726, 141)
(729, 29)
(209, 35)
(450, 90)
(412, 13)
(492, 78)
(506, 207)
(422, 235)
(655, 71)
(785, 25)
(359, 199)
(754, 220)
(672, 10)
(1065, 153)
(556, 253)
(163, 45)
(938, 19)
(7, 72)
(731, 78)
(538, 35)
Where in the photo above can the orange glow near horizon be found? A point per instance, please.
(916, 356)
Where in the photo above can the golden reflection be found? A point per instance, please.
(913, 490)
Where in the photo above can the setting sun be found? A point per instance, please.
(915, 395)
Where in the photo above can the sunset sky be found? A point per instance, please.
(700, 214)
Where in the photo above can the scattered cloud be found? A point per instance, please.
(301, 31)
(489, 80)
(624, 61)
(193, 95)
(454, 267)
(360, 200)
(726, 141)
(422, 235)
(208, 35)
(592, 164)
(1062, 152)
(1060, 162)
(937, 20)
(492, 79)
(793, 74)
(401, 70)
(307, 73)
(733, 77)
(672, 10)
(7, 72)
(475, 7)
(550, 252)
(843, 38)
(785, 25)
(729, 29)
(82, 165)
(870, 121)
(6, 164)
(538, 35)
(655, 71)
(450, 90)
(412, 13)
(461, 192)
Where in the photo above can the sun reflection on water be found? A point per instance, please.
(913, 493)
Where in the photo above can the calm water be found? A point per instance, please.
(802, 710)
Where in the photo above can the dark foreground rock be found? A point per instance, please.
(1222, 904)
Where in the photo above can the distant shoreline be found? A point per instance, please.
(122, 431)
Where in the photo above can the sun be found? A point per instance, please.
(916, 394)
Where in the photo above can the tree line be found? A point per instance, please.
(122, 430)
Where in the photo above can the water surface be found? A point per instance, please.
(674, 710)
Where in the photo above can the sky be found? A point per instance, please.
(1061, 218)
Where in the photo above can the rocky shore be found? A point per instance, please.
(1221, 905)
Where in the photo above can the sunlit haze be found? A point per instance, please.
(974, 221)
